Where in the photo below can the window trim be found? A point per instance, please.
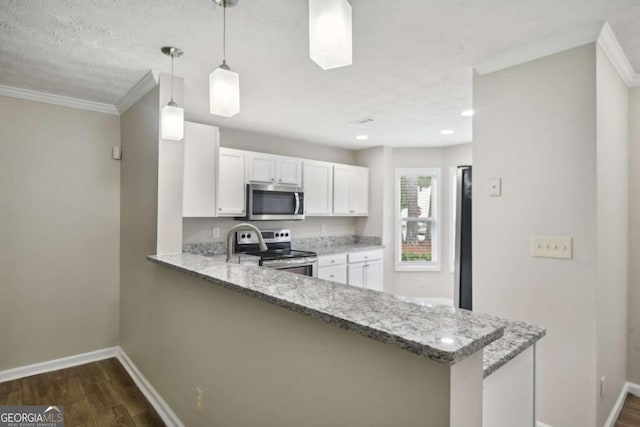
(434, 264)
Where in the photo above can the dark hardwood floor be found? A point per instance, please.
(96, 394)
(630, 415)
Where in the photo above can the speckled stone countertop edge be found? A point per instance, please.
(346, 249)
(516, 347)
(436, 355)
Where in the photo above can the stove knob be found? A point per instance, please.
(248, 236)
(277, 234)
(243, 236)
(287, 234)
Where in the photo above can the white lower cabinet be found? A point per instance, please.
(367, 274)
(360, 268)
(335, 273)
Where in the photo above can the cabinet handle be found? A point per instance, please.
(332, 276)
(272, 179)
(352, 211)
(219, 209)
(332, 261)
(280, 180)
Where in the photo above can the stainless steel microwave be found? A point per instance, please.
(267, 202)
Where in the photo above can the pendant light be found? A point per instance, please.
(172, 116)
(330, 41)
(224, 84)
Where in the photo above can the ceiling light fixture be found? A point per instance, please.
(172, 116)
(362, 137)
(447, 132)
(467, 113)
(224, 84)
(330, 33)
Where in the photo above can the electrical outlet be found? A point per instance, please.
(215, 232)
(200, 400)
(552, 247)
(602, 384)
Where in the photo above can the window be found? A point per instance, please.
(417, 227)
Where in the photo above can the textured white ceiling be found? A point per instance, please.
(412, 70)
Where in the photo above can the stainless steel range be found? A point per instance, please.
(280, 256)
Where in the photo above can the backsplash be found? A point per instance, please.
(200, 230)
(304, 243)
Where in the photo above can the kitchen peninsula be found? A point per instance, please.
(448, 344)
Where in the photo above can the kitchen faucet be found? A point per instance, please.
(244, 226)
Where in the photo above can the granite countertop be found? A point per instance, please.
(338, 249)
(439, 333)
(518, 336)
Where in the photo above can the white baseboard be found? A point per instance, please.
(162, 408)
(617, 408)
(54, 365)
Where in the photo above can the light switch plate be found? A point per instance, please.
(552, 247)
(495, 187)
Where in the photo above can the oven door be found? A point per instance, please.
(273, 202)
(305, 266)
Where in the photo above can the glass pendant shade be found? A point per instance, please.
(330, 40)
(224, 92)
(172, 119)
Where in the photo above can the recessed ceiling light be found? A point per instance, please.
(447, 132)
(362, 137)
(467, 113)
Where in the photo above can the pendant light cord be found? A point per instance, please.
(172, 58)
(224, 32)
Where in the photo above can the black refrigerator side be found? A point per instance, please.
(463, 294)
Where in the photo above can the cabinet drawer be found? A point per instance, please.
(335, 259)
(365, 256)
(335, 273)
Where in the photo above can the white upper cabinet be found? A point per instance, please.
(289, 171)
(261, 168)
(270, 169)
(318, 188)
(200, 172)
(231, 197)
(350, 190)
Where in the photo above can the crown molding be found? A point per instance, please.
(608, 41)
(64, 101)
(140, 89)
(546, 47)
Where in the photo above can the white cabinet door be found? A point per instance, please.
(200, 171)
(340, 190)
(231, 185)
(350, 190)
(355, 274)
(261, 168)
(289, 171)
(318, 188)
(335, 273)
(359, 191)
(373, 275)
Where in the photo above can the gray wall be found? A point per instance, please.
(197, 230)
(382, 162)
(60, 210)
(535, 127)
(633, 354)
(613, 226)
(288, 369)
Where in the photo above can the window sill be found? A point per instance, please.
(409, 267)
